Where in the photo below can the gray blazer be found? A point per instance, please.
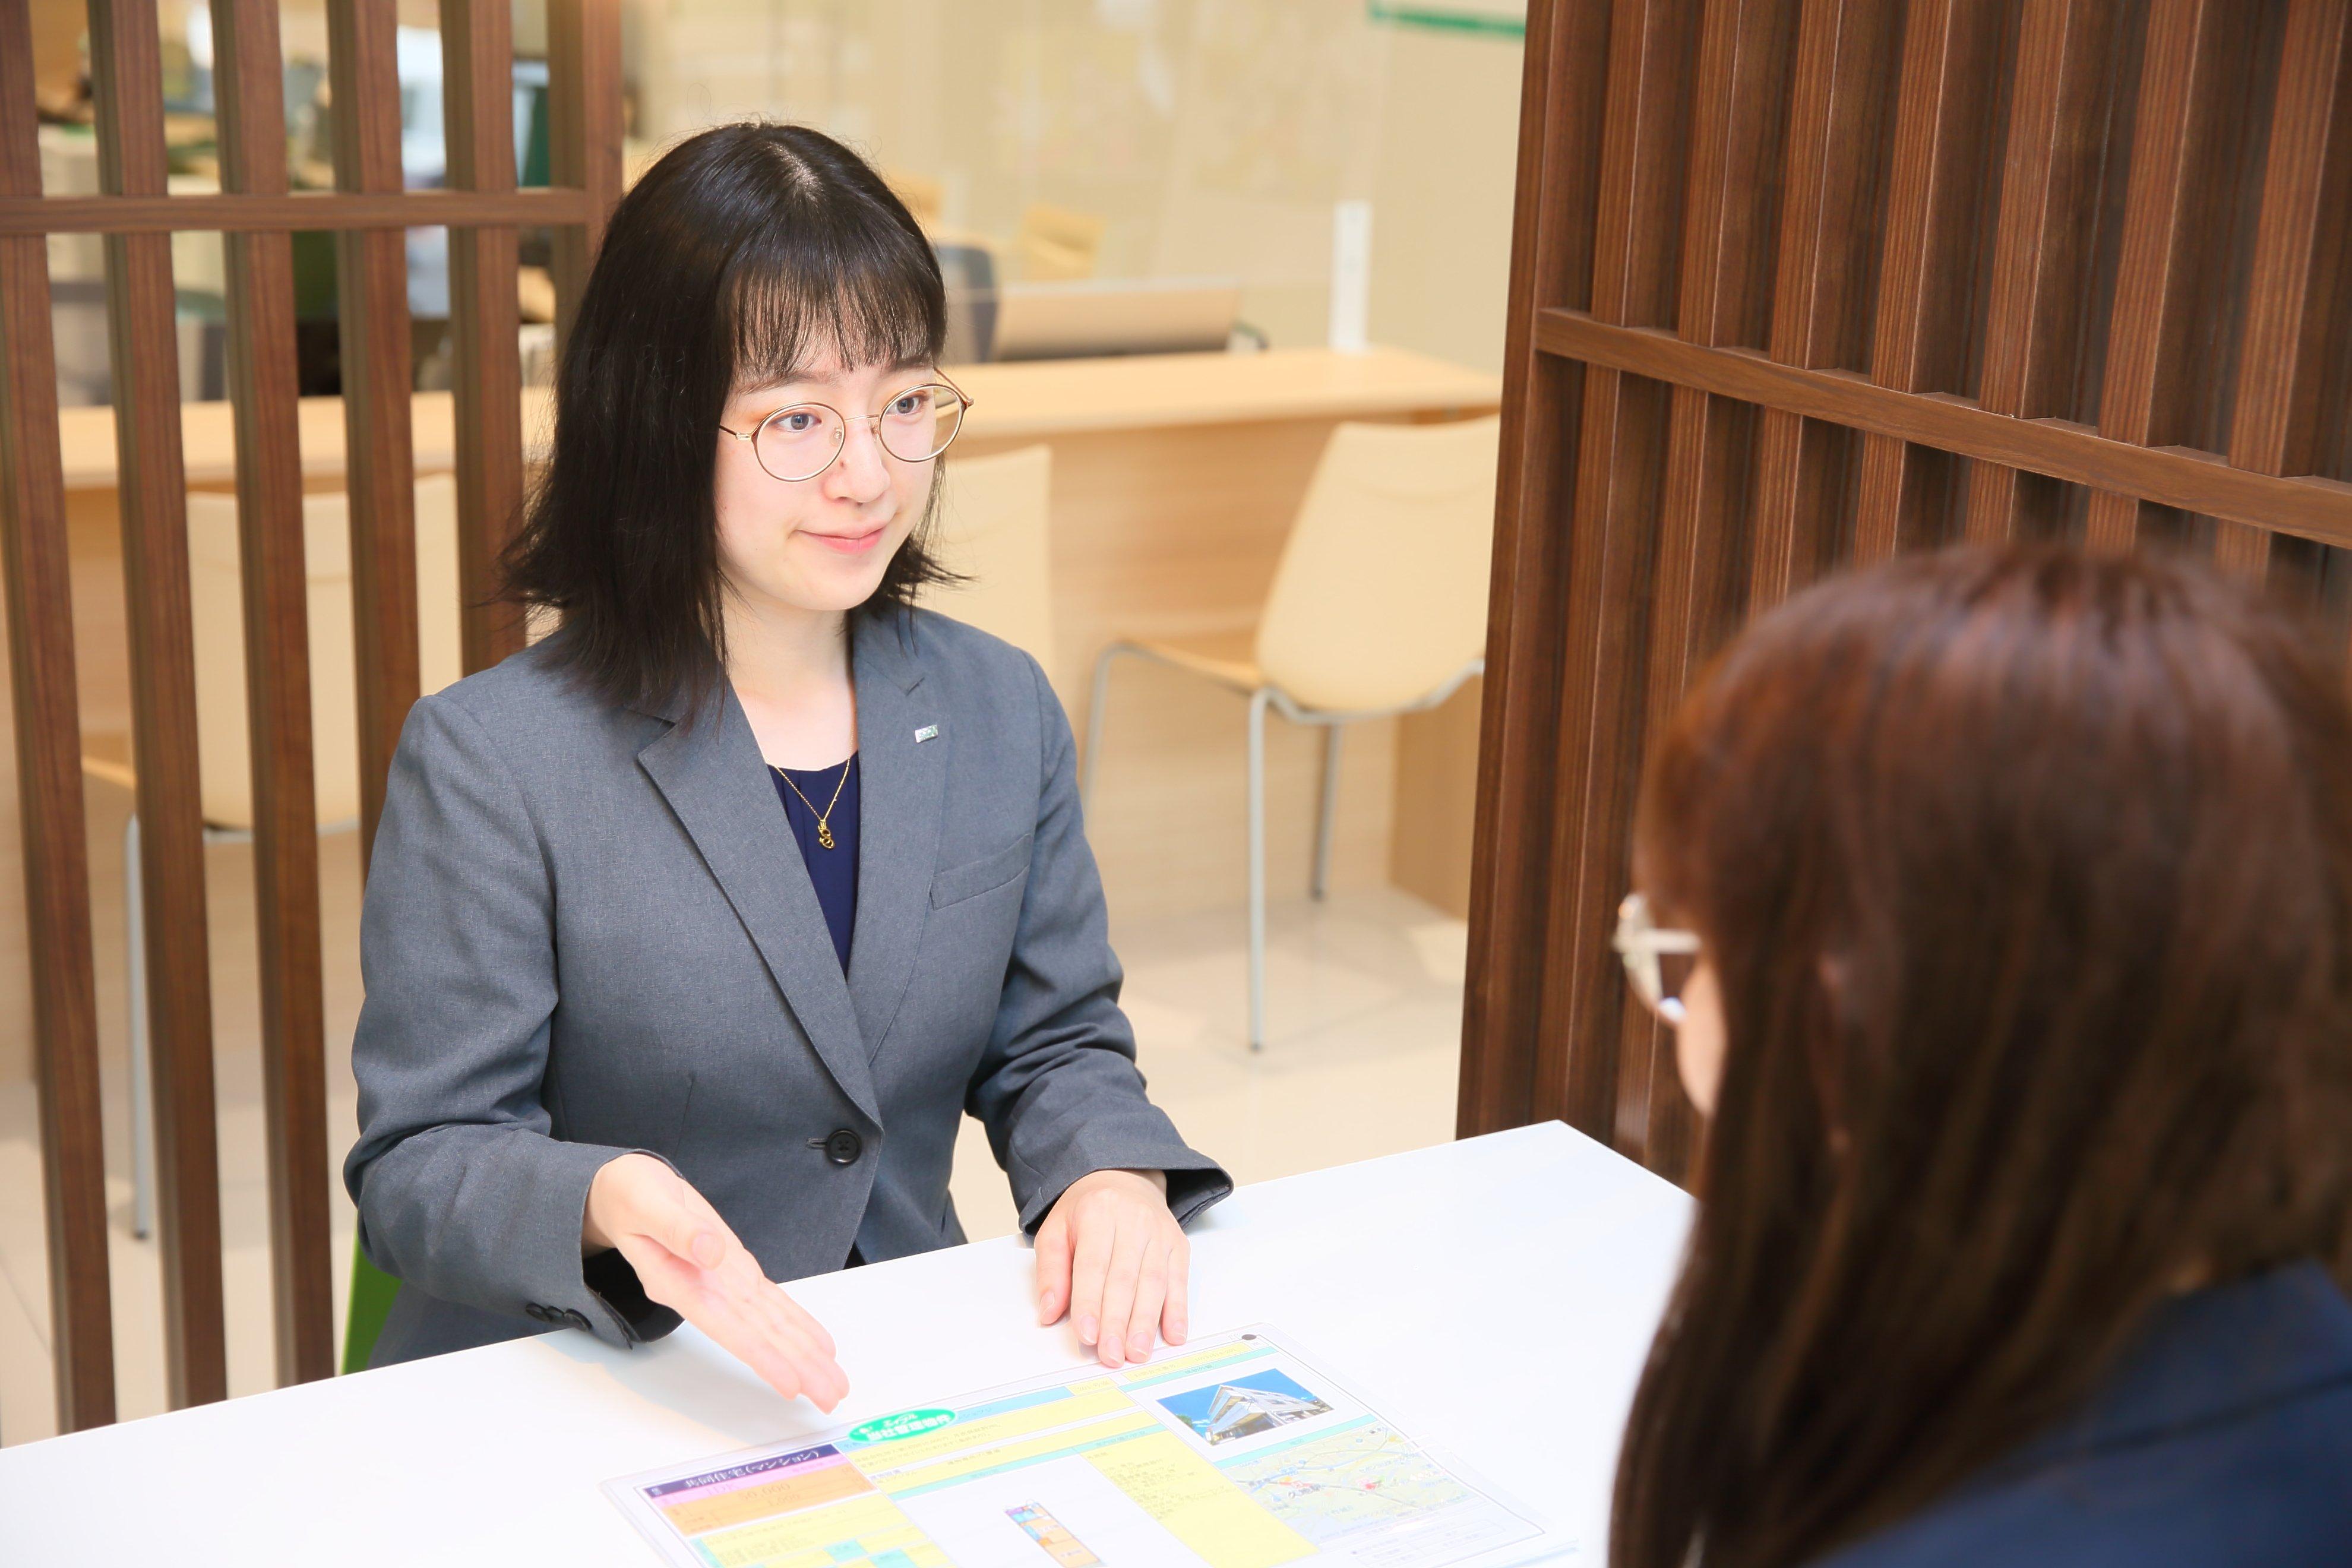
(588, 930)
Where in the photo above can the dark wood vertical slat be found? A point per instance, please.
(1840, 97)
(1507, 1021)
(1944, 100)
(33, 563)
(126, 68)
(2043, 239)
(2297, 309)
(2147, 392)
(262, 389)
(1612, 540)
(1734, 160)
(583, 69)
(372, 278)
(477, 86)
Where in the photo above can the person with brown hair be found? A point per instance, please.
(2012, 897)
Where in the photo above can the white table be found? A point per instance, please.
(1495, 1297)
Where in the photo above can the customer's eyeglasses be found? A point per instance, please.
(1644, 946)
(802, 441)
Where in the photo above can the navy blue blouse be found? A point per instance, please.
(833, 872)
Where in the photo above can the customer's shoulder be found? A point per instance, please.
(2260, 1488)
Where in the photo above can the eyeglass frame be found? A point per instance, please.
(1640, 942)
(752, 434)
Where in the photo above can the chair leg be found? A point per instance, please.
(1329, 809)
(142, 1105)
(1098, 704)
(1258, 869)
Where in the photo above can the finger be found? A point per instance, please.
(819, 1361)
(746, 1320)
(1175, 1318)
(1150, 1294)
(696, 1295)
(799, 1335)
(1091, 1239)
(1119, 1291)
(801, 1318)
(1053, 1269)
(739, 1333)
(743, 1276)
(789, 1364)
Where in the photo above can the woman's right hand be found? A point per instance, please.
(688, 1260)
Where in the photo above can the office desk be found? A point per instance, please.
(1496, 1297)
(1175, 481)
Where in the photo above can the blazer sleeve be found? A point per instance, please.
(462, 1192)
(1057, 1087)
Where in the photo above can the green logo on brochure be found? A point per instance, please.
(905, 1424)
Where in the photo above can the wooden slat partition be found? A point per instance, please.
(1620, 467)
(583, 62)
(255, 213)
(2024, 266)
(2297, 328)
(260, 270)
(1839, 102)
(1945, 98)
(2168, 261)
(126, 72)
(1725, 290)
(477, 52)
(49, 775)
(234, 213)
(1519, 760)
(371, 282)
(2043, 250)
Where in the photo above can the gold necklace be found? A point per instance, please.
(824, 829)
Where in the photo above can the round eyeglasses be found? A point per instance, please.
(802, 441)
(1644, 946)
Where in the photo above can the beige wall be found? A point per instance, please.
(1449, 131)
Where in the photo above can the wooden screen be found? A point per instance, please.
(257, 213)
(1798, 283)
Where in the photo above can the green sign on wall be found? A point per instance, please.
(1494, 18)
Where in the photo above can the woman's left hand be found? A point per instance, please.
(1112, 1257)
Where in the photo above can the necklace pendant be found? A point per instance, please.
(825, 835)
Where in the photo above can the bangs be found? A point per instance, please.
(848, 279)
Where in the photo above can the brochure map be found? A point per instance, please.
(1234, 1453)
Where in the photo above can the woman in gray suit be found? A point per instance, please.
(693, 932)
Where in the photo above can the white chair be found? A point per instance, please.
(217, 596)
(995, 527)
(1379, 608)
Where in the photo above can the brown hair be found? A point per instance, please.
(2027, 879)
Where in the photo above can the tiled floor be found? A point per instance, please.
(1363, 1018)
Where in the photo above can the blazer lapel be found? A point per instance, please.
(717, 782)
(902, 781)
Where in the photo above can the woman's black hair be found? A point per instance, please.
(746, 252)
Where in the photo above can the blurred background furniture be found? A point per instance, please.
(994, 528)
(1057, 245)
(1377, 609)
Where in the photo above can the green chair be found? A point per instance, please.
(371, 1293)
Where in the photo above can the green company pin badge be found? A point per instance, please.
(927, 732)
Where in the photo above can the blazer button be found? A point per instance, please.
(537, 1311)
(575, 1317)
(844, 1146)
